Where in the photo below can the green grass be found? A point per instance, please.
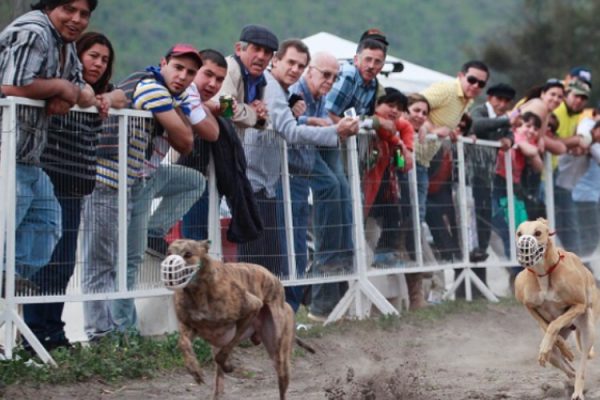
(131, 356)
(125, 356)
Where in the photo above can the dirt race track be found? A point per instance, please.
(488, 352)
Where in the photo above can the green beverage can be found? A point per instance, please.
(399, 159)
(226, 104)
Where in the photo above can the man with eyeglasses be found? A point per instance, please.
(320, 169)
(263, 154)
(450, 100)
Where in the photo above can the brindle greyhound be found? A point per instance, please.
(227, 303)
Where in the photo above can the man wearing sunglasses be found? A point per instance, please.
(450, 100)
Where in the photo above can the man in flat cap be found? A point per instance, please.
(245, 80)
(490, 122)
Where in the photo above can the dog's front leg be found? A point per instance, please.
(554, 328)
(560, 341)
(252, 306)
(186, 346)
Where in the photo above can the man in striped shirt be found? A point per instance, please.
(162, 91)
(38, 60)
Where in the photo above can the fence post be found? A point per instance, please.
(287, 212)
(122, 203)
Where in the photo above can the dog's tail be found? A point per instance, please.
(305, 345)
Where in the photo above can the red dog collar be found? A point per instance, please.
(551, 269)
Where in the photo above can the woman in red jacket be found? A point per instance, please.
(392, 152)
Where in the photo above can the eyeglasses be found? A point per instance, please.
(472, 81)
(327, 74)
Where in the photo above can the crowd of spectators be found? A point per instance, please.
(67, 164)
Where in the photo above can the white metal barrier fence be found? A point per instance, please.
(361, 293)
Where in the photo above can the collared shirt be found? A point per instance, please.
(252, 84)
(448, 103)
(262, 149)
(147, 142)
(301, 157)
(30, 48)
(351, 90)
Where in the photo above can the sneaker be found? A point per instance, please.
(157, 247)
(478, 255)
(317, 318)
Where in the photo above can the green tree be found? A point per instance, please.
(551, 37)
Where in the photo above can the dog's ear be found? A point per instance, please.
(205, 244)
(542, 220)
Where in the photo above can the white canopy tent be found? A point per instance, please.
(413, 78)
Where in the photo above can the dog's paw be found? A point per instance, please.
(543, 357)
(221, 360)
(577, 396)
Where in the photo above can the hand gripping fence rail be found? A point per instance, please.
(361, 294)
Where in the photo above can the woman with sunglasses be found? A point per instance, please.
(70, 161)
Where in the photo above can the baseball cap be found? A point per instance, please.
(579, 88)
(374, 34)
(184, 49)
(259, 35)
(502, 90)
(582, 73)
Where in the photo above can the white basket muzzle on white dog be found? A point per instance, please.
(529, 251)
(175, 273)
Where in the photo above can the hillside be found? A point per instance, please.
(439, 34)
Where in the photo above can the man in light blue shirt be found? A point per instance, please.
(263, 151)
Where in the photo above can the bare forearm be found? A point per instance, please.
(43, 89)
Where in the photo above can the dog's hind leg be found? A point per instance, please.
(278, 332)
(557, 360)
(586, 336)
(186, 336)
(252, 306)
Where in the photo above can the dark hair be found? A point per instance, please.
(534, 118)
(52, 4)
(394, 97)
(480, 65)
(537, 91)
(213, 56)
(372, 44)
(553, 122)
(596, 125)
(84, 43)
(418, 98)
(295, 43)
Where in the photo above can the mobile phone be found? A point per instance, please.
(351, 112)
(294, 98)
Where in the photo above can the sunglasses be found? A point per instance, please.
(328, 75)
(472, 81)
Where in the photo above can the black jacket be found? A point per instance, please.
(230, 170)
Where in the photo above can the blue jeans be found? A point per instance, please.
(45, 319)
(332, 224)
(38, 220)
(180, 187)
(566, 219)
(299, 186)
(195, 222)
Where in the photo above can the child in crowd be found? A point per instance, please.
(525, 152)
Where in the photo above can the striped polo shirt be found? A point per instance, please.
(448, 103)
(147, 143)
(30, 49)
